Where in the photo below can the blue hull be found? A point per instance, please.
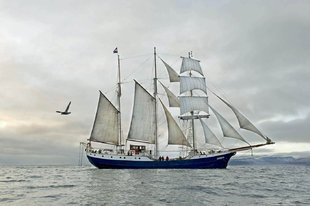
(213, 162)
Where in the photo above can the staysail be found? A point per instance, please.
(105, 128)
(142, 127)
(210, 137)
(227, 129)
(173, 100)
(173, 75)
(175, 134)
(244, 123)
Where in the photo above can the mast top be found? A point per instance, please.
(190, 54)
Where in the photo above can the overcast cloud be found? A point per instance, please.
(254, 53)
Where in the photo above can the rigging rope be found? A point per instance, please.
(138, 69)
(136, 56)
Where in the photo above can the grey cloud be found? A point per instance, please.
(25, 152)
(291, 131)
(254, 53)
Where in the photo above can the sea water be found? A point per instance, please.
(236, 185)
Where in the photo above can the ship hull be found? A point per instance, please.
(214, 161)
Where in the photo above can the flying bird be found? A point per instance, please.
(66, 112)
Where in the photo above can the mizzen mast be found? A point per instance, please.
(155, 96)
(119, 94)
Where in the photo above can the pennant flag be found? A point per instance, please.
(115, 50)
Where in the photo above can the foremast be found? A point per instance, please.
(192, 112)
(192, 103)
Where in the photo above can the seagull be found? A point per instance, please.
(66, 112)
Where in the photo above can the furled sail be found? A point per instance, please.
(189, 64)
(142, 127)
(173, 75)
(106, 127)
(244, 123)
(227, 129)
(175, 134)
(209, 135)
(192, 103)
(173, 100)
(190, 83)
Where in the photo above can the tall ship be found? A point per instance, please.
(148, 143)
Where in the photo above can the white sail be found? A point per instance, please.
(209, 135)
(142, 127)
(227, 129)
(189, 64)
(188, 104)
(173, 100)
(105, 128)
(173, 75)
(190, 83)
(244, 123)
(175, 134)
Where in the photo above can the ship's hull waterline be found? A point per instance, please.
(214, 161)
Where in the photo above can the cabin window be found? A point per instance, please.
(137, 148)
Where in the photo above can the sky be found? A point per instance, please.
(255, 54)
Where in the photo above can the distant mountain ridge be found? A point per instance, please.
(269, 160)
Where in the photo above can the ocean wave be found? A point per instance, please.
(13, 180)
(35, 176)
(252, 185)
(50, 186)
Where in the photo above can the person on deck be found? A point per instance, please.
(167, 158)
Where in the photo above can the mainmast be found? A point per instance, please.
(155, 96)
(119, 93)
